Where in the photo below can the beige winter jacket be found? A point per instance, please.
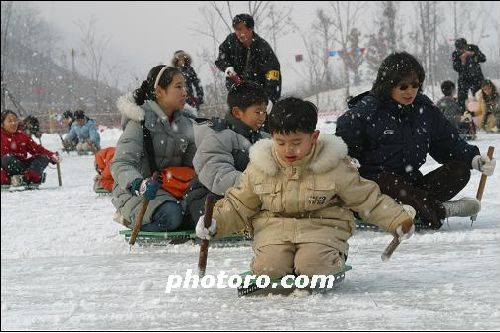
(481, 108)
(310, 201)
(490, 110)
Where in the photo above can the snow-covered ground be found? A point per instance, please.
(64, 267)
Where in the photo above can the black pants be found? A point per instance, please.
(195, 200)
(464, 85)
(15, 167)
(427, 193)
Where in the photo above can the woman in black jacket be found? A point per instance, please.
(392, 128)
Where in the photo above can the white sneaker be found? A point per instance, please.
(463, 207)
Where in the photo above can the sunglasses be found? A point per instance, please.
(404, 86)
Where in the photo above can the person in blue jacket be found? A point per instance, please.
(391, 129)
(84, 129)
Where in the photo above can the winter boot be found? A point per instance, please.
(17, 180)
(31, 176)
(463, 207)
(97, 184)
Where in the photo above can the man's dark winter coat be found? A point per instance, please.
(251, 64)
(472, 69)
(470, 75)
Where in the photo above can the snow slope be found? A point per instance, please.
(64, 267)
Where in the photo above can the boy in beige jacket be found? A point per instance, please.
(296, 196)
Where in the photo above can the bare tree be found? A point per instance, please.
(345, 18)
(384, 41)
(429, 19)
(27, 43)
(94, 48)
(215, 89)
(6, 16)
(354, 57)
(324, 26)
(310, 69)
(277, 23)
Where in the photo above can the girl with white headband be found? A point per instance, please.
(155, 107)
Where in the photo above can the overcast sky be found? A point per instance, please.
(145, 34)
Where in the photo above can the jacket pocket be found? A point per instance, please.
(319, 195)
(270, 196)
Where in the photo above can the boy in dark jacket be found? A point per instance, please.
(393, 127)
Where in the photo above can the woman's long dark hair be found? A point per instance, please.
(394, 69)
(494, 92)
(147, 91)
(6, 112)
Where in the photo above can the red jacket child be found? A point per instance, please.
(22, 147)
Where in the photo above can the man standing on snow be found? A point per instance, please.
(245, 55)
(466, 59)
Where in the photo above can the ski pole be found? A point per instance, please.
(482, 184)
(209, 209)
(140, 217)
(386, 255)
(59, 173)
(64, 146)
(393, 245)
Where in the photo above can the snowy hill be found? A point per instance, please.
(64, 267)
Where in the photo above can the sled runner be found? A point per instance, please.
(361, 225)
(276, 287)
(178, 237)
(85, 152)
(22, 187)
(102, 192)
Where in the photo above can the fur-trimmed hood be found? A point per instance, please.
(129, 109)
(330, 149)
(148, 112)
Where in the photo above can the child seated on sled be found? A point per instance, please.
(223, 145)
(84, 129)
(157, 136)
(68, 120)
(452, 111)
(296, 197)
(23, 160)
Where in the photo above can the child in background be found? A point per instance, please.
(452, 111)
(23, 160)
